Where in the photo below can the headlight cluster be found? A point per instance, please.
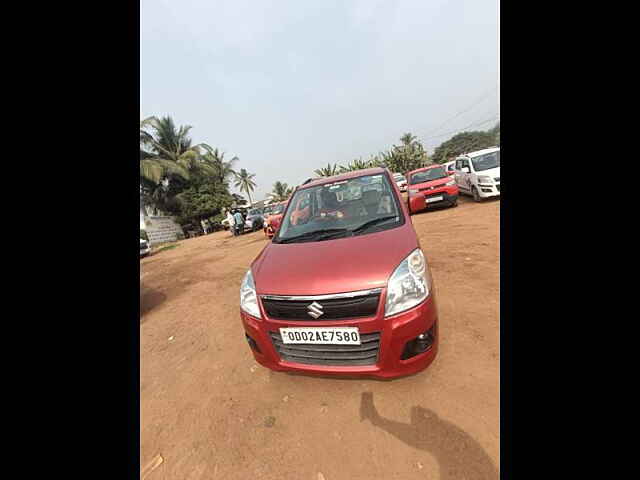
(450, 183)
(409, 285)
(248, 296)
(484, 179)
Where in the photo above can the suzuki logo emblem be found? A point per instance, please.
(315, 310)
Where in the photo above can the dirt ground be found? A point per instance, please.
(212, 412)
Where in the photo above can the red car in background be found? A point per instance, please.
(344, 287)
(272, 222)
(431, 186)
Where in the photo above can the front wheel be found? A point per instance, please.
(476, 195)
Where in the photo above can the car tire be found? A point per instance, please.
(476, 195)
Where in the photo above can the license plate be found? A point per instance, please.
(321, 335)
(434, 199)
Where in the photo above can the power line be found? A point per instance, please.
(483, 97)
(464, 128)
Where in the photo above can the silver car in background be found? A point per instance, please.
(145, 249)
(401, 181)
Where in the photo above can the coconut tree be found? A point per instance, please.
(244, 181)
(166, 151)
(328, 171)
(223, 170)
(281, 192)
(357, 164)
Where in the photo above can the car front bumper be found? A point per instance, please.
(394, 331)
(449, 196)
(486, 190)
(145, 251)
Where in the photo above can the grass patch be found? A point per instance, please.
(166, 247)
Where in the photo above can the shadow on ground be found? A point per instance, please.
(458, 454)
(149, 299)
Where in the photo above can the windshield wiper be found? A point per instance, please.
(323, 234)
(372, 223)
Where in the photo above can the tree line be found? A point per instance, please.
(410, 154)
(192, 182)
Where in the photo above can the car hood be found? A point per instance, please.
(492, 172)
(333, 266)
(432, 183)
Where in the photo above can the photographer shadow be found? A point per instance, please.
(458, 455)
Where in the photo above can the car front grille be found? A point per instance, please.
(438, 194)
(143, 246)
(334, 355)
(432, 188)
(339, 308)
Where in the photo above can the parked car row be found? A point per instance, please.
(476, 174)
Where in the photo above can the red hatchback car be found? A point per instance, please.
(272, 222)
(344, 287)
(431, 186)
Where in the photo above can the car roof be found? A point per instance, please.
(480, 152)
(343, 176)
(422, 169)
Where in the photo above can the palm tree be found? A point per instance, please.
(409, 155)
(357, 164)
(328, 171)
(281, 192)
(223, 170)
(165, 151)
(244, 181)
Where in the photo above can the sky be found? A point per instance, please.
(290, 86)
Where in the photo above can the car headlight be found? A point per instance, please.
(450, 183)
(248, 296)
(409, 285)
(484, 179)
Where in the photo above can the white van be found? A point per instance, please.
(478, 173)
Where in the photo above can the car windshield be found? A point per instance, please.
(486, 161)
(398, 177)
(345, 208)
(428, 175)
